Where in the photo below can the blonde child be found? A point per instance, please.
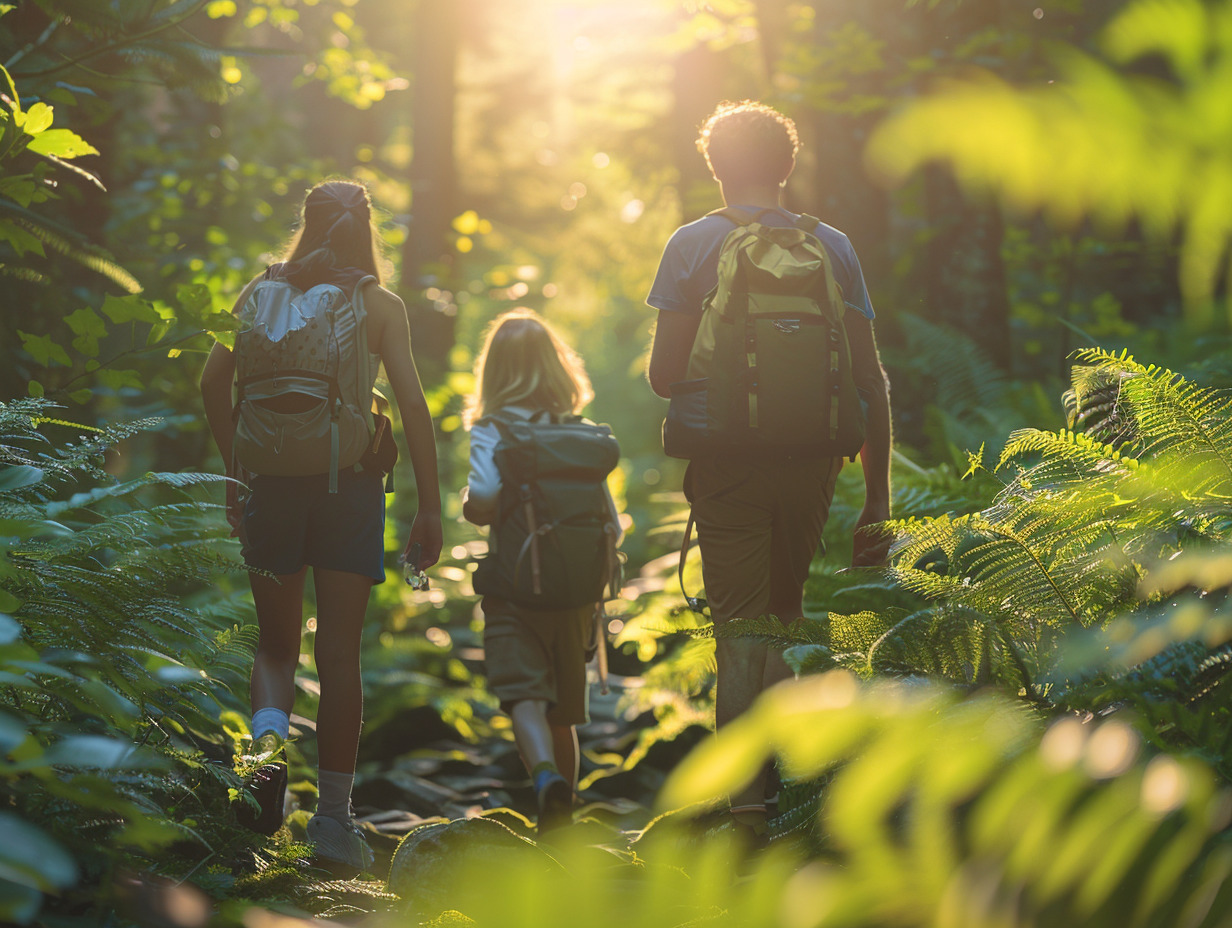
(536, 659)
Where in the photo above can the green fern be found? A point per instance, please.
(103, 645)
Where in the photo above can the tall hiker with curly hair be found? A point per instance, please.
(764, 344)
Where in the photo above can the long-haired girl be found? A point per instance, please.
(291, 523)
(536, 659)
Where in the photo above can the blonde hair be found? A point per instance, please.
(525, 363)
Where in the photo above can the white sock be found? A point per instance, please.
(334, 794)
(271, 719)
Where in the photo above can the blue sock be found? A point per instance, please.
(270, 719)
(543, 777)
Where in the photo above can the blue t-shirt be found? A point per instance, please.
(689, 268)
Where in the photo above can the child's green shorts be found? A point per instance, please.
(539, 655)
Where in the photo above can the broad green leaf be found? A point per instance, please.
(86, 321)
(95, 751)
(16, 476)
(35, 388)
(157, 333)
(89, 328)
(194, 299)
(21, 189)
(13, 731)
(173, 676)
(29, 857)
(37, 119)
(43, 349)
(118, 380)
(23, 241)
(61, 143)
(86, 345)
(718, 766)
(132, 308)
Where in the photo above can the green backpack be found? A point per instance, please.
(553, 542)
(309, 347)
(770, 374)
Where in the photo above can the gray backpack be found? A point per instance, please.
(553, 543)
(304, 380)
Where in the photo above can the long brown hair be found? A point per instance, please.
(336, 232)
(525, 363)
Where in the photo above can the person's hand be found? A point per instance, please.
(871, 545)
(235, 507)
(426, 532)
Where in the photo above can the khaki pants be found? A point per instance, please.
(758, 527)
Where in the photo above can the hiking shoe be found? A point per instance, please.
(555, 805)
(338, 842)
(267, 785)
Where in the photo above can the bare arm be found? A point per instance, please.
(481, 494)
(669, 354)
(869, 550)
(395, 350)
(216, 379)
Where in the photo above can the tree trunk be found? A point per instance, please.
(427, 259)
(830, 180)
(964, 273)
(695, 93)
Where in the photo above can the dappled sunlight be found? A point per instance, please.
(1020, 718)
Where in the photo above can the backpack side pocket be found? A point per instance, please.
(686, 430)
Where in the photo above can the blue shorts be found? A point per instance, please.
(292, 522)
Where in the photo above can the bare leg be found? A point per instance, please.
(565, 750)
(280, 605)
(531, 731)
(342, 599)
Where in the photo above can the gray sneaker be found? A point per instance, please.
(340, 843)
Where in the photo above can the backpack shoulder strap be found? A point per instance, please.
(741, 217)
(807, 223)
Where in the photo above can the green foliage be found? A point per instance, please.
(949, 810)
(1096, 141)
(111, 684)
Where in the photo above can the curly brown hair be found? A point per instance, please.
(748, 143)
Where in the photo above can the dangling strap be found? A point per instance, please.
(601, 646)
(536, 572)
(615, 577)
(333, 451)
(699, 604)
(531, 544)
